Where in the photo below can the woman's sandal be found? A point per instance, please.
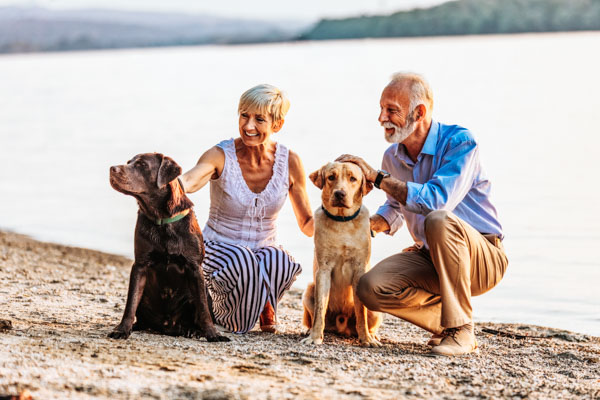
(268, 320)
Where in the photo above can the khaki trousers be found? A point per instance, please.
(433, 288)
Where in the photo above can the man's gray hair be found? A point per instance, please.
(420, 91)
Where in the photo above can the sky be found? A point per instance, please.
(264, 9)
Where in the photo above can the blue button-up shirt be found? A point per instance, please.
(447, 176)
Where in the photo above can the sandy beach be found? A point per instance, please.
(58, 303)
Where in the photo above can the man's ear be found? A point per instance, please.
(366, 186)
(318, 177)
(420, 112)
(167, 171)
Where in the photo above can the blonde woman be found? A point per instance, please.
(250, 177)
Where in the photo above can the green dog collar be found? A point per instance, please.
(164, 221)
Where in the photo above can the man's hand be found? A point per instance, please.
(411, 249)
(368, 171)
(378, 223)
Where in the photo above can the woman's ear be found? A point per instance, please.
(278, 125)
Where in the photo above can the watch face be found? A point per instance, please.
(383, 173)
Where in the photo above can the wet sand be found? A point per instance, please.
(62, 302)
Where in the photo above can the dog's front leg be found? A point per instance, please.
(322, 286)
(137, 282)
(202, 318)
(362, 326)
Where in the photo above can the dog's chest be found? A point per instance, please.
(342, 243)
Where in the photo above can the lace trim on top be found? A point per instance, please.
(256, 202)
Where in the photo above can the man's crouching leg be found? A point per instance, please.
(462, 257)
(404, 285)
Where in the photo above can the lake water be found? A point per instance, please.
(532, 100)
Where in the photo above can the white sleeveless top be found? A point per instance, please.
(239, 216)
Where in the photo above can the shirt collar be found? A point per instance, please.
(430, 143)
(432, 139)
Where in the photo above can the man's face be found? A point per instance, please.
(395, 116)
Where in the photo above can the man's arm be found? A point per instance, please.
(444, 191)
(396, 188)
(450, 183)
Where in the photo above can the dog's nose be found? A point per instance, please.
(114, 169)
(339, 194)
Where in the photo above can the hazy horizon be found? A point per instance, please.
(258, 9)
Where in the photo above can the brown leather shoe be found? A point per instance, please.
(457, 341)
(436, 339)
(268, 320)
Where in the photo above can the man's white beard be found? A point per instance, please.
(400, 133)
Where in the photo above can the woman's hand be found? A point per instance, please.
(299, 197)
(209, 166)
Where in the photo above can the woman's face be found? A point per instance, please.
(256, 128)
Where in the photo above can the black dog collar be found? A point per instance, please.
(341, 218)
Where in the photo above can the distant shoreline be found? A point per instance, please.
(38, 29)
(68, 51)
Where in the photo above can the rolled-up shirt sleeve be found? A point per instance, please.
(450, 183)
(390, 210)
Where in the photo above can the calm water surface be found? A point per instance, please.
(532, 100)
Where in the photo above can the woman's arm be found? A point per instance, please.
(299, 197)
(209, 166)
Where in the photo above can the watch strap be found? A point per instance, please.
(380, 175)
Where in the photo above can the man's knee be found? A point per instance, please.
(436, 220)
(366, 291)
(437, 223)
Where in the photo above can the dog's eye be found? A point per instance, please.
(140, 163)
(352, 179)
(331, 177)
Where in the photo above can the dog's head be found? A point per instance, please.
(144, 174)
(151, 179)
(343, 185)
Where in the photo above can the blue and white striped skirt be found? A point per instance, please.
(241, 280)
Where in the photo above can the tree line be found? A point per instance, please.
(467, 17)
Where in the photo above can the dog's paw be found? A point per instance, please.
(370, 341)
(120, 333)
(218, 338)
(311, 340)
(192, 333)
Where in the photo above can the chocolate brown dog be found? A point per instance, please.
(166, 287)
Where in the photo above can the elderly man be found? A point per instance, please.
(435, 183)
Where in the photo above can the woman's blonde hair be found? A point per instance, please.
(265, 99)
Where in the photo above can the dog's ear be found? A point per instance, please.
(366, 186)
(318, 177)
(167, 171)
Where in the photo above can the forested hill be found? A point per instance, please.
(467, 17)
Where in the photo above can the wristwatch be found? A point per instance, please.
(380, 175)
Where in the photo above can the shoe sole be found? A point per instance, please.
(474, 351)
